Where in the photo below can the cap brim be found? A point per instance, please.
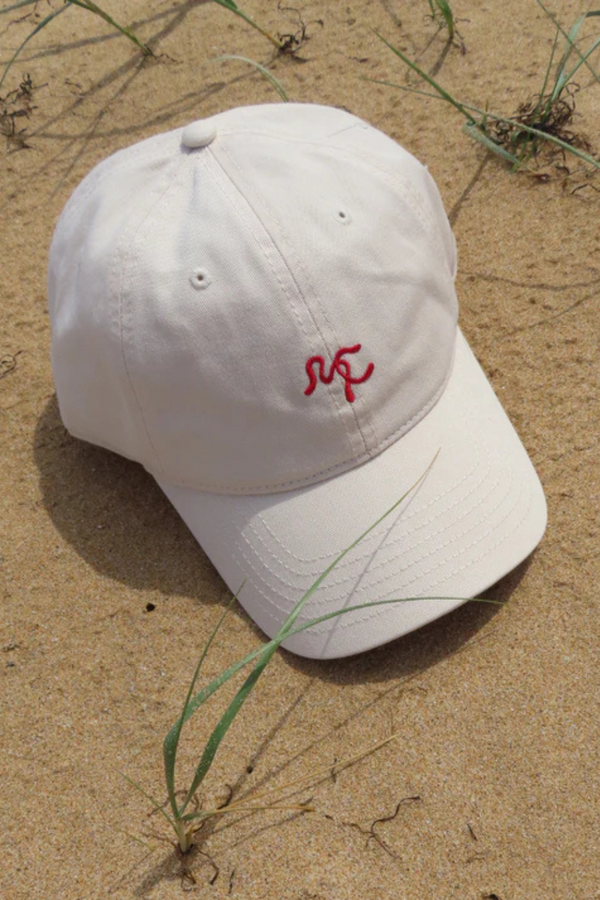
(479, 512)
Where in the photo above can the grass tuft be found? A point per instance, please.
(97, 10)
(15, 106)
(540, 121)
(186, 823)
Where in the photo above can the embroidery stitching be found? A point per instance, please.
(341, 367)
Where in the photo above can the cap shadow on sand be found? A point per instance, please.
(110, 510)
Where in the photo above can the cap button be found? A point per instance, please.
(198, 134)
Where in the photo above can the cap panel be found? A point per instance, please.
(379, 151)
(336, 127)
(219, 367)
(373, 265)
(94, 393)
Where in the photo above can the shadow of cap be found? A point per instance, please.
(112, 512)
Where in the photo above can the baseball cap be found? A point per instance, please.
(260, 309)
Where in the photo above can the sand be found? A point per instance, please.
(491, 787)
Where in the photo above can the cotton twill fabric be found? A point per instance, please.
(204, 382)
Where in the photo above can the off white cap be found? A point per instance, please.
(260, 309)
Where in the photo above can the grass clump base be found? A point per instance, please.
(513, 133)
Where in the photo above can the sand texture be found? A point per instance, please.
(491, 787)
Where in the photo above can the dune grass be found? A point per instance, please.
(542, 120)
(97, 10)
(441, 11)
(184, 816)
(268, 76)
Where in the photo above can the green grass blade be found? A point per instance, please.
(171, 741)
(274, 82)
(149, 797)
(446, 11)
(226, 721)
(566, 36)
(373, 603)
(267, 652)
(214, 685)
(98, 11)
(17, 5)
(202, 696)
(37, 28)
(567, 78)
(562, 79)
(83, 4)
(232, 7)
(286, 627)
(570, 38)
(476, 133)
(544, 86)
(434, 84)
(473, 129)
(402, 87)
(269, 649)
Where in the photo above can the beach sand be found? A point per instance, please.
(491, 786)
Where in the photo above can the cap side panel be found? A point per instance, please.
(92, 385)
(424, 197)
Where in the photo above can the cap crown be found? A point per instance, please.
(197, 293)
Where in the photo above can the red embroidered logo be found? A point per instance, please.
(340, 366)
